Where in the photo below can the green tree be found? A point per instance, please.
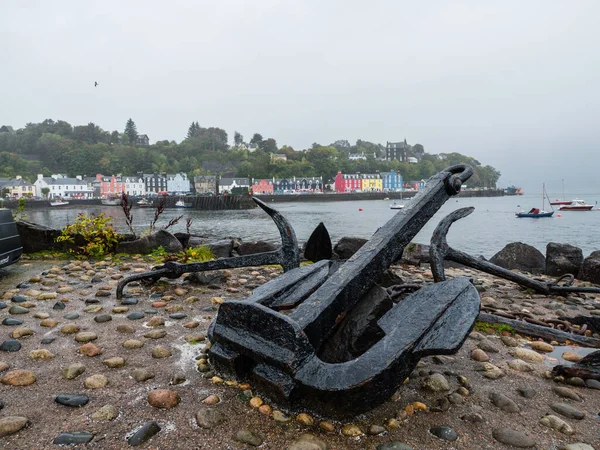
(256, 139)
(193, 130)
(45, 191)
(238, 139)
(269, 145)
(131, 132)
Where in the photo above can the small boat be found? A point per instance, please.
(58, 202)
(396, 206)
(182, 204)
(558, 202)
(111, 201)
(576, 205)
(11, 248)
(535, 213)
(145, 203)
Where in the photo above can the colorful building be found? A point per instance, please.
(392, 181)
(371, 182)
(347, 182)
(262, 186)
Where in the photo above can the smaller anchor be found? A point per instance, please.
(287, 256)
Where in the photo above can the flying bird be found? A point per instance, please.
(95, 83)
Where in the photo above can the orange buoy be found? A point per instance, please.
(360, 209)
(559, 215)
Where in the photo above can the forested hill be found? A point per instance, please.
(58, 147)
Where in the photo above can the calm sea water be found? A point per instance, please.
(485, 232)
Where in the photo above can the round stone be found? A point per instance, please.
(102, 318)
(351, 430)
(163, 398)
(48, 340)
(48, 323)
(155, 334)
(211, 400)
(18, 377)
(156, 322)
(73, 438)
(40, 354)
(19, 299)
(114, 363)
(135, 316)
(73, 371)
(160, 352)
(444, 433)
(541, 346)
(16, 309)
(143, 433)
(479, 355)
(305, 419)
(436, 383)
(97, 381)
(210, 417)
(10, 346)
(125, 329)
(106, 413)
(58, 306)
(19, 333)
(12, 424)
(10, 321)
(74, 400)
(70, 329)
(567, 411)
(86, 336)
(511, 437)
(72, 316)
(141, 375)
(177, 316)
(132, 344)
(90, 349)
(248, 437)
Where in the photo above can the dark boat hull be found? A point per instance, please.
(535, 216)
(10, 241)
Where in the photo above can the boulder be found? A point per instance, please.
(250, 248)
(415, 254)
(222, 248)
(590, 270)
(562, 259)
(517, 255)
(38, 238)
(348, 246)
(146, 244)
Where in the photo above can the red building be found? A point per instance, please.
(110, 186)
(347, 182)
(262, 187)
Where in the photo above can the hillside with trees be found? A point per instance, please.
(58, 147)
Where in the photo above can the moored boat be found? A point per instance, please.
(535, 213)
(576, 205)
(396, 206)
(182, 204)
(111, 201)
(58, 202)
(145, 203)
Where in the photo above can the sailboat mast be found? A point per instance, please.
(543, 190)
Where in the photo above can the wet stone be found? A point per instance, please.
(178, 316)
(129, 302)
(58, 306)
(150, 311)
(141, 375)
(106, 413)
(74, 438)
(12, 424)
(47, 340)
(72, 316)
(73, 371)
(143, 433)
(248, 437)
(2, 305)
(92, 301)
(512, 437)
(10, 346)
(74, 400)
(567, 411)
(444, 433)
(504, 403)
(567, 393)
(19, 299)
(102, 318)
(135, 316)
(394, 446)
(9, 321)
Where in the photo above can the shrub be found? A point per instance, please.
(97, 233)
(196, 254)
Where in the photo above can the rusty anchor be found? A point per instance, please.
(439, 251)
(287, 256)
(277, 337)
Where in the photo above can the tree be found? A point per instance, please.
(131, 132)
(256, 139)
(45, 191)
(269, 145)
(238, 139)
(193, 130)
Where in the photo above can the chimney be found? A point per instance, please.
(40, 176)
(78, 177)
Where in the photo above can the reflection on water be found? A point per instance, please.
(485, 232)
(555, 358)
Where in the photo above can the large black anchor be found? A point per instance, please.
(276, 337)
(287, 256)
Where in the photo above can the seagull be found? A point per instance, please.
(95, 83)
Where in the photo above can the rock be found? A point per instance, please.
(72, 399)
(557, 424)
(590, 269)
(351, 430)
(16, 309)
(18, 377)
(444, 433)
(473, 417)
(577, 446)
(248, 437)
(72, 316)
(211, 400)
(102, 318)
(48, 340)
(114, 363)
(592, 384)
(146, 244)
(348, 246)
(520, 365)
(562, 259)
(541, 346)
(394, 446)
(97, 381)
(526, 354)
(12, 424)
(10, 345)
(74, 438)
(374, 430)
(20, 332)
(106, 413)
(125, 329)
(70, 329)
(491, 371)
(567, 410)
(571, 357)
(86, 336)
(143, 433)
(565, 392)
(210, 417)
(160, 352)
(141, 375)
(527, 392)
(155, 322)
(305, 419)
(48, 323)
(479, 355)
(136, 315)
(90, 350)
(155, 334)
(163, 398)
(73, 371)
(512, 437)
(308, 441)
(250, 248)
(41, 354)
(10, 321)
(520, 256)
(132, 344)
(436, 383)
(504, 403)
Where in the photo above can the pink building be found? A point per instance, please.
(110, 186)
(347, 182)
(262, 187)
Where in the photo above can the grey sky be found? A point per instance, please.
(512, 83)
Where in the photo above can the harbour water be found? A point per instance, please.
(491, 226)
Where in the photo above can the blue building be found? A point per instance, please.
(392, 181)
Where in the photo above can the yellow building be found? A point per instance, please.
(371, 182)
(18, 187)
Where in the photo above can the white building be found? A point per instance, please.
(178, 184)
(226, 185)
(61, 186)
(133, 185)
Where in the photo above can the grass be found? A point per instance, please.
(499, 328)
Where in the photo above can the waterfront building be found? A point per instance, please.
(18, 187)
(371, 182)
(396, 151)
(134, 185)
(262, 186)
(205, 184)
(391, 181)
(110, 186)
(178, 184)
(228, 184)
(309, 184)
(347, 182)
(154, 183)
(61, 186)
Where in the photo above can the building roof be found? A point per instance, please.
(236, 180)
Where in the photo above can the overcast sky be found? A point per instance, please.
(512, 83)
